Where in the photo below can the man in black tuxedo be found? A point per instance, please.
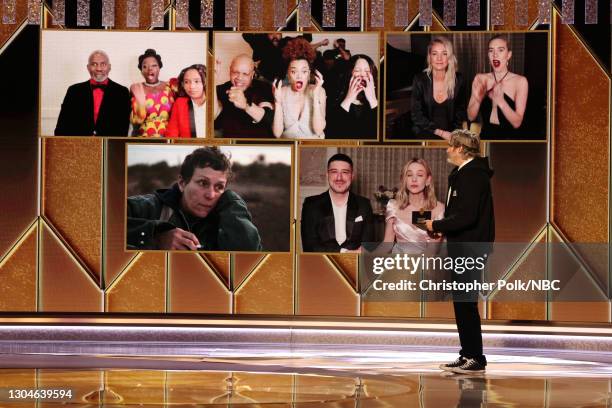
(337, 220)
(98, 107)
(469, 227)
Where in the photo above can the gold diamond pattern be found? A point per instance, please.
(72, 207)
(268, 289)
(18, 275)
(194, 287)
(64, 285)
(141, 287)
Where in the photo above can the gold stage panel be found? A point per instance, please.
(440, 310)
(391, 309)
(188, 387)
(580, 140)
(243, 266)
(86, 386)
(267, 15)
(18, 378)
(510, 22)
(7, 30)
(360, 388)
(141, 287)
(585, 299)
(348, 264)
(64, 285)
(389, 14)
(134, 387)
(323, 290)
(324, 388)
(263, 388)
(72, 195)
(519, 305)
(221, 264)
(268, 289)
(521, 392)
(18, 275)
(570, 393)
(194, 287)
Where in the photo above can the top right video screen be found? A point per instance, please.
(494, 83)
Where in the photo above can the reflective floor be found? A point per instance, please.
(315, 378)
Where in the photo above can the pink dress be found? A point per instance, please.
(409, 238)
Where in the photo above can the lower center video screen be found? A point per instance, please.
(209, 198)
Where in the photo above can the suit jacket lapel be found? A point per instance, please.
(449, 193)
(328, 213)
(452, 175)
(89, 105)
(351, 214)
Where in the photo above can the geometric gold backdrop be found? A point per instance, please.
(63, 249)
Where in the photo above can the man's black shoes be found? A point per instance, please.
(470, 366)
(451, 366)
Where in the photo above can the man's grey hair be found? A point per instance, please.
(98, 52)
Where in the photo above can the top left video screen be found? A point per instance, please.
(120, 84)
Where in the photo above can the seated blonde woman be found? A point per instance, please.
(416, 193)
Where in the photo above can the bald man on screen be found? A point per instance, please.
(244, 105)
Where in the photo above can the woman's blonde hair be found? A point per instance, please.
(429, 193)
(451, 69)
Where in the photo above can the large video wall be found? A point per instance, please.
(95, 172)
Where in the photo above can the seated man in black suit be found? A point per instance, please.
(98, 107)
(244, 105)
(337, 220)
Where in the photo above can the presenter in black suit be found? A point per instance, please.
(337, 220)
(97, 107)
(469, 227)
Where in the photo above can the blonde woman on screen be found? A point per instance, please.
(416, 193)
(438, 93)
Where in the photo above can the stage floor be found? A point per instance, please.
(317, 377)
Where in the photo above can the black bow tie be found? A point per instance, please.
(98, 86)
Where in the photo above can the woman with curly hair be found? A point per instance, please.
(152, 99)
(299, 104)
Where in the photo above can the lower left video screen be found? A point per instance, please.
(209, 198)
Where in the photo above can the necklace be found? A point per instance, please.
(152, 85)
(495, 77)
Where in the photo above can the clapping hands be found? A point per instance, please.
(496, 94)
(237, 97)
